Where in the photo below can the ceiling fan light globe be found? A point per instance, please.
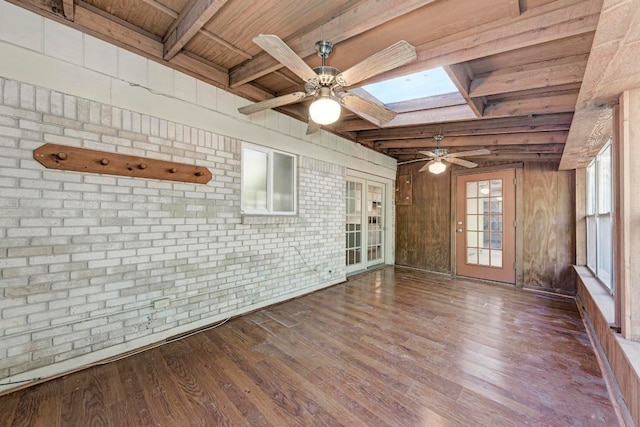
(437, 168)
(324, 111)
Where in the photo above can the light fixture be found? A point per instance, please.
(324, 110)
(437, 167)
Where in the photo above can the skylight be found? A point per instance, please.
(413, 86)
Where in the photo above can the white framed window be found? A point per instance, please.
(269, 185)
(600, 216)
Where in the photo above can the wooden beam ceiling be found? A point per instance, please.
(521, 68)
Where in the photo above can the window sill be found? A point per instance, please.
(599, 293)
(260, 219)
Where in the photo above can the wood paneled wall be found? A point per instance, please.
(423, 228)
(549, 228)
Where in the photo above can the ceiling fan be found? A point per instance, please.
(326, 84)
(436, 157)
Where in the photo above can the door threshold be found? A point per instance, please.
(358, 273)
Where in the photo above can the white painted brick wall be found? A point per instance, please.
(83, 256)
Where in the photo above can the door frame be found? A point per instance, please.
(519, 173)
(388, 212)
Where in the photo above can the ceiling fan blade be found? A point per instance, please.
(461, 162)
(427, 153)
(412, 161)
(370, 108)
(275, 47)
(482, 152)
(425, 167)
(291, 98)
(312, 127)
(387, 59)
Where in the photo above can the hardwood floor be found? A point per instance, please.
(396, 347)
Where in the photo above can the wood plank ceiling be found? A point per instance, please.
(519, 64)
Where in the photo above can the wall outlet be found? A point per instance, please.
(161, 303)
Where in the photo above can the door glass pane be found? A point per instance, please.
(472, 239)
(472, 206)
(472, 222)
(472, 256)
(483, 257)
(496, 187)
(496, 240)
(472, 189)
(483, 188)
(496, 259)
(353, 223)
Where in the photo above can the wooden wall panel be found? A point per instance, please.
(549, 228)
(422, 228)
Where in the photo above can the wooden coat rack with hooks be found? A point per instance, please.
(53, 156)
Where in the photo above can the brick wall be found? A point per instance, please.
(83, 256)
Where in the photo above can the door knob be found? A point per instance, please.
(458, 230)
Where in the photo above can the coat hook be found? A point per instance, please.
(61, 156)
(199, 173)
(104, 161)
(142, 166)
(173, 170)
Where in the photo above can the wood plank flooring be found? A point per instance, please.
(396, 347)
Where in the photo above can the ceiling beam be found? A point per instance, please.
(613, 67)
(530, 138)
(542, 123)
(357, 19)
(189, 22)
(501, 36)
(69, 9)
(521, 157)
(436, 101)
(462, 77)
(539, 75)
(549, 104)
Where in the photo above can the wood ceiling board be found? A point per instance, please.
(352, 21)
(557, 137)
(533, 105)
(533, 78)
(136, 13)
(547, 122)
(211, 47)
(613, 67)
(435, 21)
(526, 5)
(518, 157)
(502, 36)
(532, 93)
(434, 115)
(497, 150)
(576, 45)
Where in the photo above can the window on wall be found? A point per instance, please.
(268, 181)
(600, 217)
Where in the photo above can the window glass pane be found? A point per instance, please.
(591, 243)
(496, 240)
(605, 232)
(591, 188)
(254, 179)
(283, 182)
(604, 180)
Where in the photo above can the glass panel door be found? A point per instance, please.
(364, 224)
(375, 232)
(354, 223)
(485, 226)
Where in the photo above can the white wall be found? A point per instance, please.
(83, 256)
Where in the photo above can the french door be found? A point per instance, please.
(485, 226)
(365, 206)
